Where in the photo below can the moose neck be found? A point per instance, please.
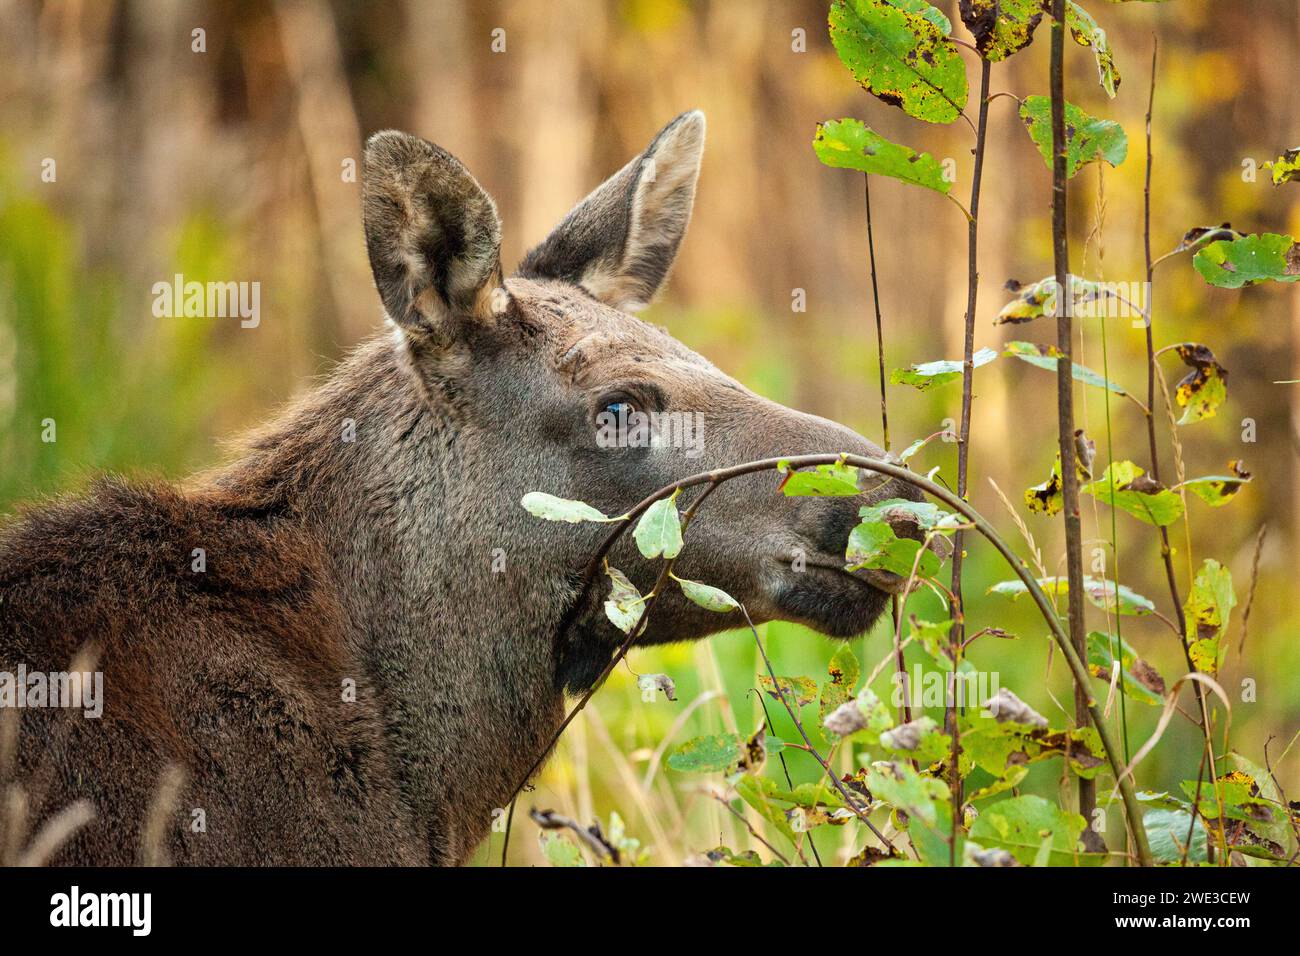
(458, 648)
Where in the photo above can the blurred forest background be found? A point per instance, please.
(230, 164)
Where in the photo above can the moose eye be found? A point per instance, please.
(618, 409)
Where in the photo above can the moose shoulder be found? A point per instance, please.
(342, 646)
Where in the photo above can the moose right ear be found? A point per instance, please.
(432, 233)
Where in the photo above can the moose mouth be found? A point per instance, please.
(836, 602)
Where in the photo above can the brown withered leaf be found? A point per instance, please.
(1199, 235)
(871, 855)
(1148, 676)
(1001, 27)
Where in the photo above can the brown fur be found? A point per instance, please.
(374, 561)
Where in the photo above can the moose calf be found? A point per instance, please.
(344, 677)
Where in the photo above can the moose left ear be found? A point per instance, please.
(433, 235)
(620, 241)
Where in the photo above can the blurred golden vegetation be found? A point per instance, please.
(231, 164)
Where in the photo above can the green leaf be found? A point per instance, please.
(833, 480)
(798, 691)
(900, 56)
(1202, 390)
(1206, 611)
(932, 636)
(1198, 236)
(625, 604)
(1046, 498)
(926, 515)
(1278, 830)
(1167, 832)
(541, 505)
(1001, 27)
(1087, 139)
(1217, 490)
(659, 532)
(925, 9)
(560, 851)
(844, 671)
(755, 792)
(1099, 591)
(1037, 299)
(1019, 732)
(1141, 681)
(707, 596)
(722, 854)
(711, 753)
(1286, 168)
(903, 788)
(1024, 825)
(1086, 32)
(1047, 356)
(849, 144)
(1124, 485)
(928, 374)
(1232, 264)
(873, 544)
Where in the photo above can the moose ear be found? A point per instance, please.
(433, 234)
(620, 241)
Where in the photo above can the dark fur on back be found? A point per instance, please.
(234, 674)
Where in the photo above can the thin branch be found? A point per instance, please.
(1065, 395)
(899, 472)
(1166, 552)
(875, 299)
(963, 448)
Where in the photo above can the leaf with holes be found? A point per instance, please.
(1248, 260)
(849, 144)
(1201, 391)
(901, 56)
(1087, 138)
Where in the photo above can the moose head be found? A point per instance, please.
(554, 384)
